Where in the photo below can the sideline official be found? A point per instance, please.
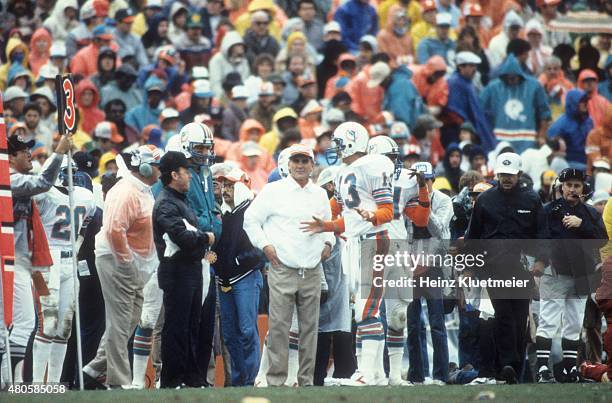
(180, 249)
(512, 213)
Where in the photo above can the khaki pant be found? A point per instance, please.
(289, 289)
(122, 289)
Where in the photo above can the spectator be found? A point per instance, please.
(127, 207)
(426, 26)
(573, 127)
(605, 87)
(231, 58)
(46, 101)
(107, 63)
(297, 45)
(513, 24)
(180, 249)
(85, 61)
(40, 45)
(356, 18)
(212, 15)
(394, 39)
(599, 141)
(240, 280)
(235, 113)
(547, 12)
(115, 111)
(193, 47)
(347, 68)
(178, 21)
(263, 67)
(264, 109)
(150, 10)
(587, 81)
(128, 43)
(426, 135)
(14, 101)
(156, 34)
(123, 87)
(539, 52)
(521, 121)
(328, 67)
(556, 85)
(451, 166)
(91, 14)
(87, 99)
(258, 39)
(63, 19)
(430, 82)
(200, 101)
(279, 236)
(440, 45)
(165, 61)
(313, 26)
(401, 97)
(16, 52)
(447, 6)
(147, 112)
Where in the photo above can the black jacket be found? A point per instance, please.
(237, 257)
(255, 47)
(168, 214)
(514, 217)
(569, 255)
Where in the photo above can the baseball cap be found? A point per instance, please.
(370, 40)
(443, 19)
(251, 149)
(467, 126)
(220, 169)
(168, 113)
(108, 130)
(427, 122)
(467, 57)
(125, 15)
(378, 72)
(508, 163)
(600, 196)
(321, 130)
(334, 115)
(87, 10)
(14, 92)
(128, 70)
(472, 9)
(332, 26)
(85, 162)
(44, 92)
(411, 150)
(201, 89)
(425, 167)
(58, 49)
(571, 173)
(199, 72)
(311, 106)
(481, 187)
(399, 130)
(276, 78)
(239, 92)
(103, 32)
(17, 143)
(48, 72)
(601, 164)
(168, 54)
(327, 175)
(154, 4)
(236, 175)
(194, 21)
(428, 5)
(172, 161)
(266, 88)
(306, 79)
(300, 149)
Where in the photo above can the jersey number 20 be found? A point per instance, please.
(61, 228)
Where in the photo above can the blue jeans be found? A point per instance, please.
(239, 327)
(417, 342)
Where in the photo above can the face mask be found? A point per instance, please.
(236, 60)
(17, 57)
(400, 31)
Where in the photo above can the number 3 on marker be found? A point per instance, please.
(69, 112)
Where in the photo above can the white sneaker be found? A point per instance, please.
(437, 382)
(330, 381)
(380, 381)
(399, 382)
(482, 381)
(357, 379)
(137, 386)
(263, 383)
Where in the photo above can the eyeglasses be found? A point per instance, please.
(261, 23)
(301, 160)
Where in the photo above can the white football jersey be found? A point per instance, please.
(364, 184)
(54, 207)
(405, 189)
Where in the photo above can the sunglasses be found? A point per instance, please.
(301, 160)
(261, 23)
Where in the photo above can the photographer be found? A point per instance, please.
(564, 290)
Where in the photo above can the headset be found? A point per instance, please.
(144, 168)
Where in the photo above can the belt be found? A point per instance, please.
(66, 254)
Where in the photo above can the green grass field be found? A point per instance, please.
(448, 394)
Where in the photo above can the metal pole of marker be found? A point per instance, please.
(62, 94)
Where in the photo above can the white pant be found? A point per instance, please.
(58, 307)
(560, 306)
(24, 319)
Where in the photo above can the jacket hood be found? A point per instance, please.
(15, 71)
(284, 113)
(152, 82)
(511, 66)
(452, 147)
(267, 5)
(58, 11)
(345, 57)
(435, 63)
(250, 124)
(230, 39)
(86, 84)
(41, 33)
(14, 44)
(176, 7)
(512, 18)
(584, 74)
(294, 36)
(607, 120)
(572, 99)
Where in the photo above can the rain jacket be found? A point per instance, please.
(367, 102)
(220, 66)
(37, 60)
(338, 82)
(389, 7)
(514, 112)
(89, 116)
(556, 89)
(233, 116)
(599, 140)
(270, 140)
(12, 45)
(392, 44)
(597, 103)
(573, 128)
(142, 115)
(356, 19)
(234, 153)
(402, 98)
(85, 62)
(497, 46)
(243, 22)
(436, 93)
(57, 24)
(463, 101)
(430, 47)
(131, 98)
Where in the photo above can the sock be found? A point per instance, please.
(18, 353)
(143, 340)
(358, 346)
(395, 346)
(380, 358)
(372, 335)
(260, 379)
(570, 353)
(18, 372)
(543, 346)
(56, 360)
(41, 351)
(294, 363)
